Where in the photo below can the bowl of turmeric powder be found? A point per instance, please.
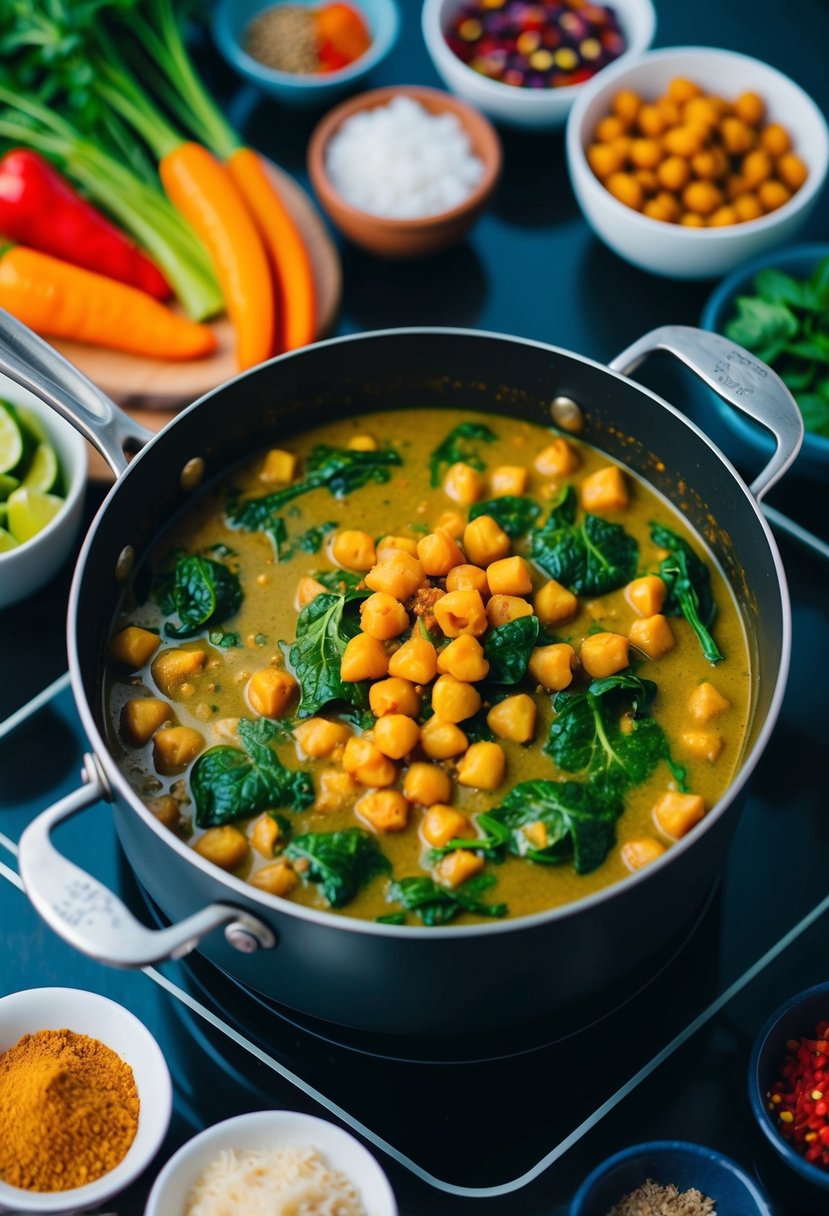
(687, 161)
(85, 1100)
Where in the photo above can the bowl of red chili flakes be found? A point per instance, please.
(788, 1084)
(524, 64)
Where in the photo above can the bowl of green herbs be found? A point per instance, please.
(777, 306)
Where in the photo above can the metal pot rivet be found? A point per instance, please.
(567, 414)
(248, 936)
(192, 474)
(124, 563)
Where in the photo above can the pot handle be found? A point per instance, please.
(38, 367)
(739, 378)
(92, 919)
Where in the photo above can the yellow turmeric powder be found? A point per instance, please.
(68, 1111)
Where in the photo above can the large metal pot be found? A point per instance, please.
(415, 981)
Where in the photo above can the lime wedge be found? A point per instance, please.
(30, 422)
(7, 541)
(11, 440)
(30, 511)
(7, 484)
(43, 470)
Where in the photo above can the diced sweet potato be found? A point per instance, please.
(141, 718)
(636, 854)
(133, 646)
(172, 668)
(605, 490)
(675, 814)
(702, 744)
(456, 867)
(174, 748)
(652, 635)
(706, 703)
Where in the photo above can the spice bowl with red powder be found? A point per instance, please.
(524, 64)
(788, 1084)
(76, 1061)
(305, 53)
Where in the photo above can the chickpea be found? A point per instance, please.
(554, 604)
(652, 635)
(307, 590)
(353, 550)
(226, 846)
(468, 578)
(604, 159)
(362, 443)
(336, 790)
(735, 186)
(280, 879)
(651, 121)
(485, 541)
(772, 195)
(645, 153)
(454, 700)
(416, 660)
(710, 164)
(395, 735)
(483, 765)
(384, 810)
(458, 867)
(442, 824)
(669, 110)
(552, 666)
(649, 182)
(750, 108)
(792, 171)
(461, 612)
(703, 197)
(438, 553)
(514, 718)
(264, 835)
(463, 484)
(167, 811)
(364, 658)
(452, 522)
(722, 217)
(464, 659)
(558, 459)
(318, 737)
(508, 479)
(701, 111)
(775, 139)
(442, 740)
(502, 609)
(364, 760)
(685, 141)
(610, 128)
(736, 136)
(646, 595)
(394, 696)
(681, 90)
(664, 208)
(399, 574)
(603, 654)
(674, 173)
(389, 545)
(690, 219)
(747, 207)
(509, 576)
(426, 784)
(279, 467)
(626, 105)
(625, 188)
(383, 617)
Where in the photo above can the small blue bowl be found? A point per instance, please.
(685, 1165)
(744, 441)
(797, 1017)
(232, 17)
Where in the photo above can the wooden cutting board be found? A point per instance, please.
(153, 390)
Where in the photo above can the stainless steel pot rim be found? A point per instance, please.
(247, 893)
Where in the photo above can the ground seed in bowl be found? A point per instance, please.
(283, 38)
(280, 1182)
(654, 1199)
(402, 162)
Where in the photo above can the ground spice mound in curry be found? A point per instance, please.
(68, 1111)
(654, 1199)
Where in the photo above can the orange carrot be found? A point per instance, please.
(285, 245)
(202, 189)
(58, 300)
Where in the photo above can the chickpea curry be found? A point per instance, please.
(430, 666)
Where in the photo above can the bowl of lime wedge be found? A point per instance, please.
(42, 481)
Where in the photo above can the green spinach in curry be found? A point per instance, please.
(422, 668)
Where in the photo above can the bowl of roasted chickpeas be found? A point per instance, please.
(691, 160)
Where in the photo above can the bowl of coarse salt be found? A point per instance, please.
(404, 171)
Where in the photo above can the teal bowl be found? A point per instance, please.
(746, 443)
(685, 1165)
(232, 17)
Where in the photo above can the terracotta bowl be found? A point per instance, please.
(409, 238)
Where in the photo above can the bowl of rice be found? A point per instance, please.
(404, 171)
(272, 1163)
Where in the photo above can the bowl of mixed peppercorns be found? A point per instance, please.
(690, 160)
(788, 1083)
(525, 64)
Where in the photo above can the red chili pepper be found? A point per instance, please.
(38, 208)
(798, 1100)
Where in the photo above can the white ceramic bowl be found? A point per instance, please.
(670, 249)
(536, 109)
(269, 1129)
(30, 565)
(96, 1016)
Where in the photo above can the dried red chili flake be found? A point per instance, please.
(549, 44)
(798, 1098)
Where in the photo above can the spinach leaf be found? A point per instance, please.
(575, 823)
(323, 629)
(762, 326)
(515, 515)
(201, 591)
(229, 784)
(490, 844)
(341, 862)
(392, 918)
(224, 641)
(586, 735)
(437, 905)
(461, 444)
(815, 410)
(590, 557)
(689, 587)
(508, 649)
(776, 287)
(338, 581)
(339, 470)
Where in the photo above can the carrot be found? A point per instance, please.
(59, 300)
(285, 245)
(204, 192)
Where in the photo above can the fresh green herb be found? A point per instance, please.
(338, 581)
(515, 515)
(508, 649)
(436, 905)
(477, 729)
(341, 862)
(200, 592)
(496, 835)
(339, 470)
(680, 775)
(575, 823)
(261, 639)
(391, 918)
(363, 719)
(460, 445)
(323, 630)
(419, 529)
(786, 324)
(225, 641)
(590, 557)
(689, 587)
(229, 784)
